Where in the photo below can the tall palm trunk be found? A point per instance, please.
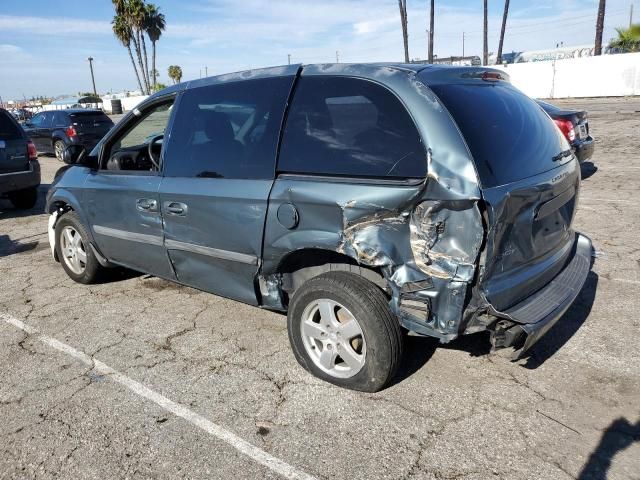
(504, 26)
(153, 63)
(145, 58)
(405, 34)
(599, 27)
(136, 44)
(133, 62)
(431, 17)
(485, 47)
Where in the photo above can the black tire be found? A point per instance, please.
(93, 271)
(370, 307)
(58, 148)
(24, 199)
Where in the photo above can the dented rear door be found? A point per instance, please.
(529, 180)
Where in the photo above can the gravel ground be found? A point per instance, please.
(201, 379)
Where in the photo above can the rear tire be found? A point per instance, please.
(24, 199)
(58, 148)
(321, 332)
(74, 251)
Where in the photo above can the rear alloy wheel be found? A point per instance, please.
(342, 330)
(24, 199)
(58, 148)
(74, 251)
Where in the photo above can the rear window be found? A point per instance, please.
(8, 128)
(90, 119)
(508, 134)
(350, 127)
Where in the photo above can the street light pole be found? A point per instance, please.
(93, 80)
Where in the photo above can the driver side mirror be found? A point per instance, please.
(73, 154)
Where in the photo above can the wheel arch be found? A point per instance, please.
(301, 265)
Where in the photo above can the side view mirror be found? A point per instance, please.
(28, 124)
(73, 154)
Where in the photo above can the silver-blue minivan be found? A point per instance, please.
(363, 200)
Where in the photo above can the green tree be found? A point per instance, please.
(158, 86)
(628, 39)
(133, 20)
(122, 31)
(154, 26)
(175, 73)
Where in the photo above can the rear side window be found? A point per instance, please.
(510, 137)
(9, 130)
(228, 130)
(90, 119)
(350, 127)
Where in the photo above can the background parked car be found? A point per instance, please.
(53, 131)
(21, 114)
(19, 167)
(574, 125)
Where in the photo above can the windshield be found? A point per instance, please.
(508, 134)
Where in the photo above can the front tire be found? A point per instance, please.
(342, 331)
(24, 199)
(74, 251)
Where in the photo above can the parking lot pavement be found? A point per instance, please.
(140, 378)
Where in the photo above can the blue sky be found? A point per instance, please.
(44, 44)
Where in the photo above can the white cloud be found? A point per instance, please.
(52, 26)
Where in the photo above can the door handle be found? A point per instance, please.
(146, 205)
(178, 209)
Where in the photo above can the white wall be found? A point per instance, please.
(602, 76)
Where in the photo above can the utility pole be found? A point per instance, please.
(630, 14)
(431, 19)
(205, 71)
(462, 44)
(288, 58)
(93, 80)
(337, 56)
(599, 27)
(485, 42)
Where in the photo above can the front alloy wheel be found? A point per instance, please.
(58, 148)
(73, 250)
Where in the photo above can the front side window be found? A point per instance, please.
(351, 127)
(139, 147)
(228, 130)
(37, 120)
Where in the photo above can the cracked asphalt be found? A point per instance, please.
(570, 410)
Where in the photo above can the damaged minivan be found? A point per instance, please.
(363, 200)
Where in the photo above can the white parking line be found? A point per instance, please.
(244, 447)
(607, 200)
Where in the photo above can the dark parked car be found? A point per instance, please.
(574, 125)
(361, 199)
(19, 167)
(21, 114)
(54, 130)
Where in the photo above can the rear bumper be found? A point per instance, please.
(11, 182)
(534, 316)
(584, 149)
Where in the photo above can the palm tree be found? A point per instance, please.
(504, 26)
(485, 47)
(405, 34)
(431, 18)
(136, 13)
(599, 27)
(122, 31)
(628, 39)
(175, 73)
(154, 26)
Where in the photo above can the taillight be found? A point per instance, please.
(492, 76)
(566, 127)
(31, 149)
(70, 131)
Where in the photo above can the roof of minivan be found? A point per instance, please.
(426, 71)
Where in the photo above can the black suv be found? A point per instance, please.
(19, 167)
(54, 130)
(361, 199)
